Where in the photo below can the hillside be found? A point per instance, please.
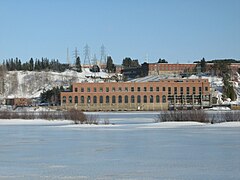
(31, 83)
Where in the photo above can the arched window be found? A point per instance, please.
(82, 99)
(151, 99)
(164, 99)
(94, 99)
(132, 99)
(70, 99)
(64, 100)
(88, 99)
(76, 99)
(145, 99)
(138, 99)
(101, 99)
(157, 99)
(113, 99)
(126, 99)
(170, 98)
(119, 99)
(107, 99)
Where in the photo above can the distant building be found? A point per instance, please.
(18, 102)
(161, 68)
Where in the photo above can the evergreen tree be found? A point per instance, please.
(128, 62)
(78, 64)
(162, 61)
(31, 65)
(203, 65)
(110, 66)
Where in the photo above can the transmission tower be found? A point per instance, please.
(94, 60)
(76, 53)
(87, 55)
(103, 55)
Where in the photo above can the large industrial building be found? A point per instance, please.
(149, 93)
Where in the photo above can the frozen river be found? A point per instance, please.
(133, 148)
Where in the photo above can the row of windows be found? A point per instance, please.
(132, 89)
(121, 99)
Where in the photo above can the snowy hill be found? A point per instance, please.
(31, 83)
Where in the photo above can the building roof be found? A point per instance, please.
(155, 78)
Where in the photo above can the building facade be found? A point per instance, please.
(160, 68)
(145, 96)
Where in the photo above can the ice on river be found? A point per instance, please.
(133, 148)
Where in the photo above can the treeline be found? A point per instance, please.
(43, 64)
(197, 116)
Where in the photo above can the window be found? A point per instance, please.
(157, 99)
(100, 89)
(113, 89)
(151, 99)
(82, 89)
(113, 99)
(164, 88)
(126, 99)
(138, 99)
(151, 89)
(200, 90)
(139, 89)
(107, 99)
(101, 99)
(82, 99)
(120, 89)
(206, 88)
(175, 90)
(76, 99)
(95, 89)
(64, 99)
(157, 89)
(94, 99)
(132, 89)
(145, 89)
(194, 90)
(76, 89)
(164, 99)
(107, 89)
(88, 99)
(88, 89)
(181, 90)
(119, 99)
(70, 99)
(126, 89)
(145, 99)
(132, 99)
(169, 90)
(188, 90)
(170, 98)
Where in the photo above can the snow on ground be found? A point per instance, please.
(33, 122)
(189, 124)
(30, 84)
(219, 109)
(70, 124)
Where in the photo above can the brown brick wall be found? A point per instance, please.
(154, 92)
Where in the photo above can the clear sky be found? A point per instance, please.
(178, 30)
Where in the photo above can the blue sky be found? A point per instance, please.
(178, 30)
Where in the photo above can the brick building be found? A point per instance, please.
(18, 102)
(155, 95)
(160, 68)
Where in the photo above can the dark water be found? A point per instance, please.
(128, 151)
